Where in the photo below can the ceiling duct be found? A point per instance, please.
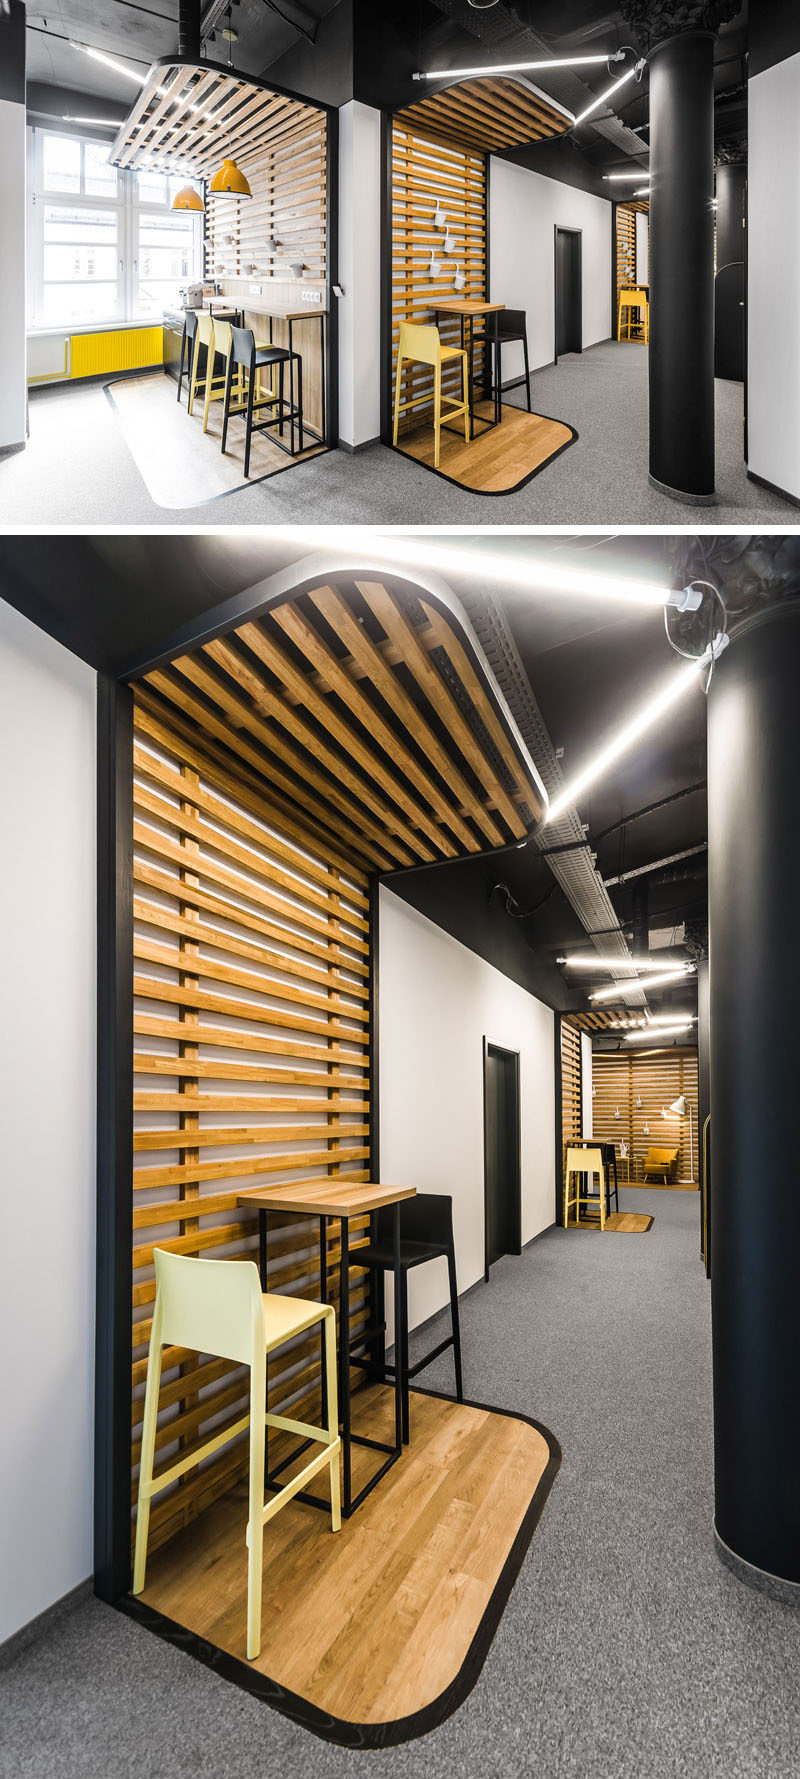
(575, 871)
(189, 29)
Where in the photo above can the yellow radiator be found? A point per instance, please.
(128, 349)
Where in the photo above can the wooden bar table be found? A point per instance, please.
(322, 1199)
(307, 312)
(467, 308)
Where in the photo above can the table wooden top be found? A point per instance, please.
(325, 1198)
(308, 312)
(465, 306)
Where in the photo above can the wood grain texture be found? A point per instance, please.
(371, 1624)
(500, 113)
(493, 462)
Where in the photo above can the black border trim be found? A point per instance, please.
(403, 1729)
(496, 493)
(225, 493)
(772, 488)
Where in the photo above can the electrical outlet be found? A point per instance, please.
(254, 290)
(311, 296)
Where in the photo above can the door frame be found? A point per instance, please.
(516, 1208)
(560, 228)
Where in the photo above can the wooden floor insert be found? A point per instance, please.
(372, 1624)
(497, 461)
(618, 1222)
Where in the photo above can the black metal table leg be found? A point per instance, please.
(262, 1248)
(398, 1326)
(323, 1297)
(497, 401)
(344, 1340)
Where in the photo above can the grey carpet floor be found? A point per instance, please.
(626, 1650)
(77, 469)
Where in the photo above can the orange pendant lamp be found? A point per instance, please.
(230, 179)
(187, 199)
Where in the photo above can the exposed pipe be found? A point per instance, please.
(189, 29)
(672, 858)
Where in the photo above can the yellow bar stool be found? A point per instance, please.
(217, 1307)
(579, 1162)
(203, 337)
(423, 345)
(633, 311)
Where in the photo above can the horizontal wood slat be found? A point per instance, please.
(628, 1093)
(488, 114)
(250, 943)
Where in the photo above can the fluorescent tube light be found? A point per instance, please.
(112, 123)
(659, 1019)
(678, 684)
(642, 191)
(98, 55)
(623, 988)
(576, 962)
(680, 1025)
(520, 67)
(531, 575)
(609, 92)
(639, 174)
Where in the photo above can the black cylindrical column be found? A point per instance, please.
(682, 267)
(731, 188)
(754, 871)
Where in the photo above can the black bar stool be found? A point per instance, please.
(188, 345)
(511, 325)
(251, 359)
(426, 1233)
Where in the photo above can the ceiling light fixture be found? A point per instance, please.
(616, 55)
(642, 191)
(187, 199)
(535, 576)
(677, 686)
(98, 55)
(639, 174)
(576, 962)
(106, 123)
(229, 180)
(648, 982)
(680, 1025)
(610, 91)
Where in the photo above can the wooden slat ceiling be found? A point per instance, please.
(603, 1021)
(194, 115)
(487, 114)
(370, 720)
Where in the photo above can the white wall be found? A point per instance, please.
(47, 1114)
(359, 273)
(587, 1102)
(642, 247)
(524, 210)
(13, 388)
(437, 1003)
(773, 208)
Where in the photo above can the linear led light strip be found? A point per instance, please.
(161, 92)
(616, 55)
(622, 988)
(678, 1025)
(576, 962)
(531, 575)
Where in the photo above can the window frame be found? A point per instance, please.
(128, 211)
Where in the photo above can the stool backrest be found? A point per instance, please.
(420, 341)
(428, 1217)
(205, 328)
(633, 299)
(511, 321)
(584, 1161)
(222, 337)
(190, 323)
(210, 1306)
(244, 346)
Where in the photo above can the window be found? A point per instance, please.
(104, 244)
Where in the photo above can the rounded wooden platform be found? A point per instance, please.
(377, 1633)
(495, 462)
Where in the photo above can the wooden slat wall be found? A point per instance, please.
(626, 252)
(423, 172)
(571, 1111)
(620, 1081)
(251, 1057)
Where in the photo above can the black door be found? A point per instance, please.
(569, 296)
(502, 1194)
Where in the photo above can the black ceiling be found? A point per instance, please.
(392, 38)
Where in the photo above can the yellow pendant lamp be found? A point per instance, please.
(187, 199)
(230, 179)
